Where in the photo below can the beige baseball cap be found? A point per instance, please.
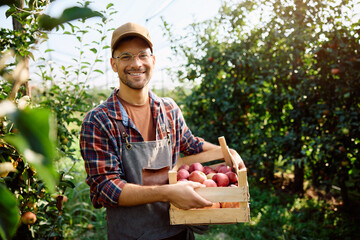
(130, 29)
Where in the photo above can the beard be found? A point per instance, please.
(135, 82)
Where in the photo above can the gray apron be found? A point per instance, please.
(147, 221)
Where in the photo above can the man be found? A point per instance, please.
(129, 143)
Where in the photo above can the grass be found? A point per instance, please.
(81, 220)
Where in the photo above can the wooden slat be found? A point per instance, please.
(202, 157)
(209, 216)
(224, 194)
(172, 177)
(242, 177)
(225, 151)
(243, 182)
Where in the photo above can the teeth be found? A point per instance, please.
(135, 74)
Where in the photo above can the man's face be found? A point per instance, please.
(136, 72)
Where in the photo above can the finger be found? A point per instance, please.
(196, 184)
(241, 165)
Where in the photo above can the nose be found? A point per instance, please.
(135, 61)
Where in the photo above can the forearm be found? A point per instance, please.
(209, 146)
(182, 195)
(133, 194)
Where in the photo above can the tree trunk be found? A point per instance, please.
(299, 178)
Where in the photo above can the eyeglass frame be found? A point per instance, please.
(133, 56)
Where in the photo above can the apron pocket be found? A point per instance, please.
(159, 176)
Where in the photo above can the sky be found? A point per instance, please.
(178, 13)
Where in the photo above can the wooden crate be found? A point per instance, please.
(214, 194)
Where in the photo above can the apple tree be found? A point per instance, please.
(285, 91)
(34, 132)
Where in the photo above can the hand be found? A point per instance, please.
(182, 195)
(237, 159)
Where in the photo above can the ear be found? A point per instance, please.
(113, 64)
(153, 59)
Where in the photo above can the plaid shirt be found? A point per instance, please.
(101, 144)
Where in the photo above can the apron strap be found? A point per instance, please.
(124, 134)
(162, 107)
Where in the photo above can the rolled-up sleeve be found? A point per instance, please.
(102, 163)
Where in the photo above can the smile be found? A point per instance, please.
(136, 74)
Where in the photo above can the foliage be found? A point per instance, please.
(83, 221)
(278, 214)
(285, 93)
(34, 24)
(9, 214)
(48, 23)
(37, 137)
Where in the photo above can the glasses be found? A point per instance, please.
(127, 57)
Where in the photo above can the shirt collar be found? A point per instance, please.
(116, 109)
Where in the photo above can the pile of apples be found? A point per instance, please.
(221, 176)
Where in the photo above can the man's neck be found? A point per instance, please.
(133, 96)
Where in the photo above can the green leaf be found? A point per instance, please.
(10, 11)
(9, 213)
(36, 142)
(67, 183)
(48, 23)
(99, 71)
(31, 55)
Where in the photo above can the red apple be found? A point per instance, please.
(230, 205)
(210, 183)
(197, 176)
(28, 218)
(335, 71)
(218, 167)
(232, 177)
(182, 174)
(214, 205)
(184, 166)
(221, 179)
(196, 167)
(224, 169)
(208, 170)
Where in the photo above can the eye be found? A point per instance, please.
(143, 55)
(125, 57)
